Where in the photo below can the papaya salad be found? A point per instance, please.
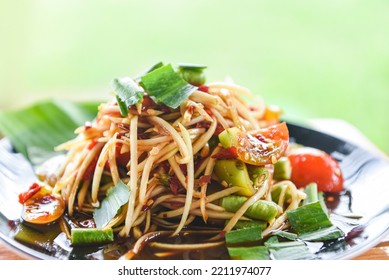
(176, 167)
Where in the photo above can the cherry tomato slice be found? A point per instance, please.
(259, 147)
(312, 165)
(264, 146)
(274, 132)
(43, 209)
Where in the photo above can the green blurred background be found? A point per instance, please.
(316, 59)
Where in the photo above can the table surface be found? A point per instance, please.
(335, 127)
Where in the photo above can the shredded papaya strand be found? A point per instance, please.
(133, 183)
(73, 189)
(190, 179)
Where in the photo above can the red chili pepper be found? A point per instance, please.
(203, 180)
(176, 205)
(107, 166)
(92, 144)
(88, 175)
(219, 129)
(204, 88)
(148, 205)
(147, 103)
(124, 126)
(33, 189)
(175, 185)
(203, 125)
(209, 112)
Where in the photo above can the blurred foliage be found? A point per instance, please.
(315, 59)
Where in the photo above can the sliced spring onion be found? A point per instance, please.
(116, 198)
(150, 69)
(328, 233)
(247, 224)
(312, 193)
(308, 218)
(293, 250)
(127, 93)
(244, 235)
(153, 67)
(249, 253)
(321, 198)
(166, 86)
(288, 235)
(311, 220)
(89, 236)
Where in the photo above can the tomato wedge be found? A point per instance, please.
(313, 165)
(42, 208)
(259, 147)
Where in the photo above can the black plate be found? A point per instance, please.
(366, 193)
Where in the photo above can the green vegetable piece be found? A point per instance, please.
(248, 224)
(276, 192)
(328, 233)
(40, 237)
(312, 193)
(234, 173)
(193, 74)
(308, 218)
(292, 250)
(249, 253)
(189, 66)
(272, 239)
(278, 245)
(261, 210)
(282, 169)
(150, 69)
(153, 67)
(213, 142)
(244, 235)
(88, 236)
(285, 234)
(165, 86)
(258, 175)
(122, 106)
(320, 196)
(127, 92)
(229, 137)
(116, 198)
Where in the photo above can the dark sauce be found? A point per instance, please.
(51, 241)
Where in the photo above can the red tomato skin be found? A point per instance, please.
(265, 145)
(276, 132)
(312, 165)
(33, 189)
